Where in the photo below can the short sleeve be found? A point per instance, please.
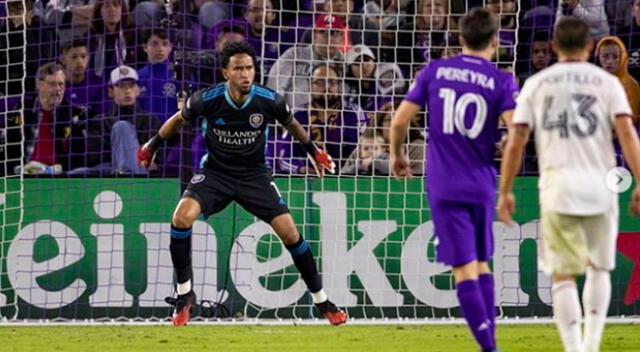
(510, 92)
(419, 90)
(282, 111)
(193, 107)
(618, 101)
(523, 114)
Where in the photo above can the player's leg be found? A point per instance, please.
(456, 246)
(482, 216)
(260, 196)
(487, 286)
(300, 251)
(601, 232)
(183, 218)
(207, 193)
(564, 256)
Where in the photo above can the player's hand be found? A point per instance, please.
(145, 155)
(635, 201)
(506, 206)
(322, 161)
(400, 167)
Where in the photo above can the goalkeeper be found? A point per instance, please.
(237, 114)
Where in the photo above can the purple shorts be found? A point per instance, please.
(463, 230)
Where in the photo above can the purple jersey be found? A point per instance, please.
(465, 95)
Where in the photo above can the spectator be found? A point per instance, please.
(331, 124)
(209, 12)
(630, 36)
(290, 74)
(506, 11)
(54, 131)
(70, 18)
(540, 54)
(415, 146)
(369, 82)
(22, 22)
(360, 31)
(612, 56)
(115, 136)
(423, 39)
(369, 153)
(83, 87)
(592, 12)
(111, 36)
(210, 71)
(158, 85)
(260, 30)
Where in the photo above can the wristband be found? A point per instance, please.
(155, 142)
(310, 147)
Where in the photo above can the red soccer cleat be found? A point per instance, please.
(334, 314)
(182, 312)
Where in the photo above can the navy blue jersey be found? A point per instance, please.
(236, 135)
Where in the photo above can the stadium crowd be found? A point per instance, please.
(102, 76)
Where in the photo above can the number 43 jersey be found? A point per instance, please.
(571, 106)
(465, 96)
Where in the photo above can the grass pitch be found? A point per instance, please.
(396, 338)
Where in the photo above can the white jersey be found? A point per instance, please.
(571, 107)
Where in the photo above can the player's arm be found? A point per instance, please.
(631, 149)
(511, 162)
(398, 134)
(166, 131)
(192, 109)
(320, 159)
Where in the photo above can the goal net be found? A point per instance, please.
(85, 238)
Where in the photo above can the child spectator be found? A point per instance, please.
(158, 85)
(83, 87)
(371, 152)
(116, 135)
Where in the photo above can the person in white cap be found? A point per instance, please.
(369, 83)
(115, 136)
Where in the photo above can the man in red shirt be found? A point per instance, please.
(54, 131)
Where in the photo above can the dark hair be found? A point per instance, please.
(48, 69)
(234, 48)
(232, 28)
(158, 32)
(75, 43)
(478, 28)
(324, 64)
(97, 24)
(571, 34)
(541, 36)
(17, 5)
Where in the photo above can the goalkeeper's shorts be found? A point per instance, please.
(256, 193)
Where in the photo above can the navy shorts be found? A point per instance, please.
(256, 193)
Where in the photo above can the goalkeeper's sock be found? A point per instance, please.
(473, 308)
(180, 248)
(303, 259)
(567, 314)
(488, 294)
(596, 295)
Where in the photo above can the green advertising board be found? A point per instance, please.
(99, 248)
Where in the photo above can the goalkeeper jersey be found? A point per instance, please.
(235, 136)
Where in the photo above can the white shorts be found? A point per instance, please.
(570, 243)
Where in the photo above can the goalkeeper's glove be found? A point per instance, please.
(147, 151)
(320, 159)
